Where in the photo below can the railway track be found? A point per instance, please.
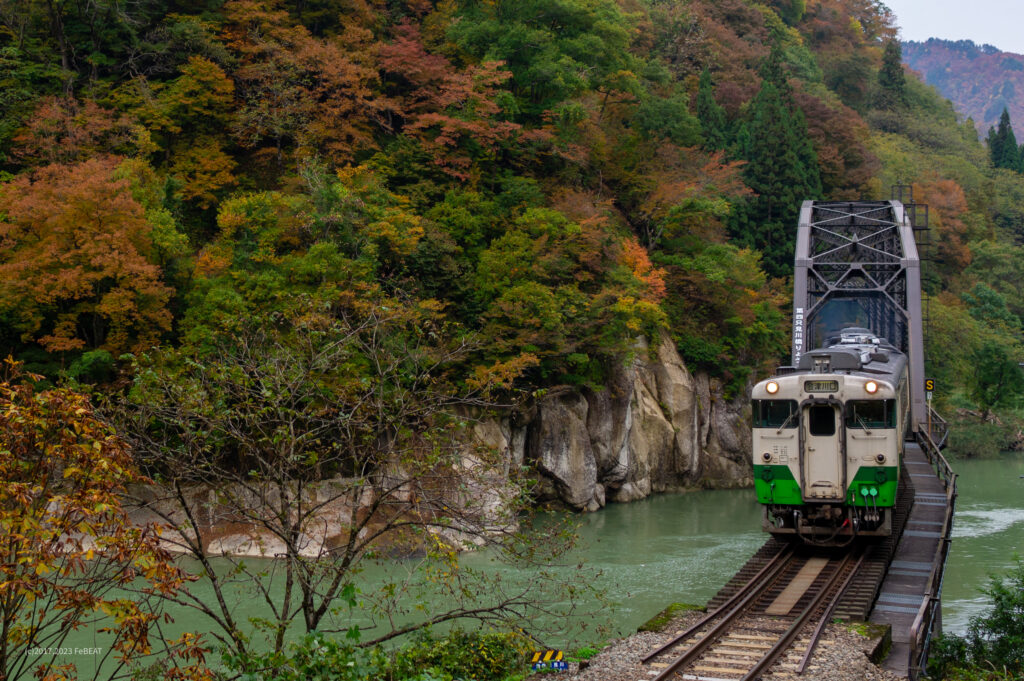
(773, 615)
(774, 610)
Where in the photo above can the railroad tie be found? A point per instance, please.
(797, 587)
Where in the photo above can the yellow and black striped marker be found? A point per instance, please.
(550, 659)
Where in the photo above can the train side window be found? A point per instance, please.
(822, 420)
(774, 413)
(871, 414)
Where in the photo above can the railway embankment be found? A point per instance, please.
(846, 651)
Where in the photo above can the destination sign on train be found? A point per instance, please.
(821, 386)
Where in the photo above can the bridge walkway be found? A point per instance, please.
(908, 598)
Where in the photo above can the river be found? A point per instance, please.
(988, 529)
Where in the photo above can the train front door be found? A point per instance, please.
(823, 455)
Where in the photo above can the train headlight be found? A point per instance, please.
(772, 387)
(871, 387)
(880, 458)
(767, 456)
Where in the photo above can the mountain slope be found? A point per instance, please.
(979, 80)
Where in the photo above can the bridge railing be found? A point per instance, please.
(937, 427)
(927, 615)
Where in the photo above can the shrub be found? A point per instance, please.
(475, 656)
(977, 440)
(314, 658)
(994, 645)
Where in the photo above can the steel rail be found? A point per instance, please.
(794, 630)
(818, 630)
(714, 633)
(781, 556)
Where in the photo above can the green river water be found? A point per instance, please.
(683, 547)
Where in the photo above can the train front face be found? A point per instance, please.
(826, 451)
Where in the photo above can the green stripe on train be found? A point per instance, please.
(776, 485)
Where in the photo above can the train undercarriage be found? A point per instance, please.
(826, 524)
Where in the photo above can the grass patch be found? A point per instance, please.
(584, 653)
(661, 620)
(880, 632)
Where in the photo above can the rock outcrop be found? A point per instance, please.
(654, 427)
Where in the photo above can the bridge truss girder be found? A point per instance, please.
(857, 265)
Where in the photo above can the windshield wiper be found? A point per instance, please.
(786, 422)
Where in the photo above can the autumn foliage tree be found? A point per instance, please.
(72, 558)
(74, 267)
(64, 130)
(300, 91)
(461, 117)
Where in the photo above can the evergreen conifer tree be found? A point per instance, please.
(1002, 144)
(711, 115)
(891, 79)
(782, 168)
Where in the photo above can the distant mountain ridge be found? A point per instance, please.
(979, 79)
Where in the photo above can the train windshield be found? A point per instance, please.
(774, 413)
(871, 414)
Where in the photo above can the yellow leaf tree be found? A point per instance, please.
(69, 557)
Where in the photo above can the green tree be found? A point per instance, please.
(997, 379)
(782, 169)
(555, 49)
(989, 307)
(1002, 144)
(892, 82)
(792, 11)
(711, 115)
(668, 118)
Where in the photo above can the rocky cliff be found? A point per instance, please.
(654, 427)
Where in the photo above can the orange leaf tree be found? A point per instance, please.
(69, 557)
(300, 91)
(74, 267)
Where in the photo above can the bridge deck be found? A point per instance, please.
(903, 589)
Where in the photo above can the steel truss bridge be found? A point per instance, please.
(857, 264)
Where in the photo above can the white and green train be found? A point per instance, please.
(828, 438)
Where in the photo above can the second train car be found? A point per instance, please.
(828, 439)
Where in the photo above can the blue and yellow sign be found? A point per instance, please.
(550, 659)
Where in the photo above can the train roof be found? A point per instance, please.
(855, 351)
